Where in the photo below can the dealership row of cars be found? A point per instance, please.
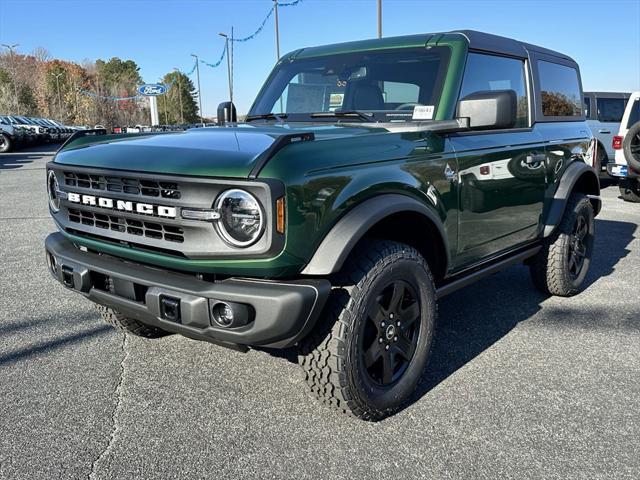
(17, 131)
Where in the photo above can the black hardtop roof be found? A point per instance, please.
(476, 40)
(504, 45)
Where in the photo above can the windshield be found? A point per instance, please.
(387, 85)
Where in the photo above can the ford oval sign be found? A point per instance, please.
(152, 89)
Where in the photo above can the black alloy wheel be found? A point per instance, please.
(390, 333)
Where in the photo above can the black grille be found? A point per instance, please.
(142, 228)
(133, 186)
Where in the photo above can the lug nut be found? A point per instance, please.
(379, 340)
(391, 315)
(386, 347)
(395, 339)
(382, 324)
(398, 324)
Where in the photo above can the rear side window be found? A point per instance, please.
(634, 114)
(489, 72)
(560, 90)
(610, 109)
(587, 107)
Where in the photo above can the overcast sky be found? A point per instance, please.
(603, 36)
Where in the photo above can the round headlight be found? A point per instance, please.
(241, 219)
(52, 190)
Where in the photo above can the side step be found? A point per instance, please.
(464, 279)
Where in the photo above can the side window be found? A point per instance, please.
(396, 93)
(490, 72)
(560, 90)
(610, 109)
(634, 113)
(587, 107)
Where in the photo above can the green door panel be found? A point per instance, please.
(502, 183)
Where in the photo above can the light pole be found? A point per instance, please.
(226, 47)
(379, 18)
(58, 75)
(199, 91)
(180, 94)
(275, 11)
(11, 49)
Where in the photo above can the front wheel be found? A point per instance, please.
(561, 266)
(630, 189)
(5, 143)
(370, 349)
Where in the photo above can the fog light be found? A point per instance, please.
(223, 314)
(230, 314)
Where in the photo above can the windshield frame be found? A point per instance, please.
(444, 51)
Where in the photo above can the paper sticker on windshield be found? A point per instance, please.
(423, 112)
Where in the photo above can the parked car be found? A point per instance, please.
(604, 111)
(625, 145)
(11, 136)
(395, 172)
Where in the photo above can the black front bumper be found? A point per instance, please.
(280, 312)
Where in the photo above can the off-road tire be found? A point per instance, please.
(630, 146)
(630, 189)
(126, 324)
(5, 143)
(550, 267)
(330, 355)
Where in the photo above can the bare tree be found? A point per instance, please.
(41, 54)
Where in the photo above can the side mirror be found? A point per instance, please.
(492, 109)
(227, 113)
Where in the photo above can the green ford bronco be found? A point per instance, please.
(369, 180)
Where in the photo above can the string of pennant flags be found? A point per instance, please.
(195, 64)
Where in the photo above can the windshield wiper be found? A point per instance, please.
(267, 116)
(367, 117)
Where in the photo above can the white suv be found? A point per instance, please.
(622, 144)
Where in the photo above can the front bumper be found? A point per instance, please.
(280, 313)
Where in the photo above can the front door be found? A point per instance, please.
(502, 173)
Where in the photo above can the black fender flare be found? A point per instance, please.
(349, 230)
(577, 171)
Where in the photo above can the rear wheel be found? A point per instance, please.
(369, 351)
(5, 143)
(630, 189)
(561, 266)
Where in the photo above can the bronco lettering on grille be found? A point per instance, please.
(123, 205)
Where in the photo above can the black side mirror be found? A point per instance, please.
(227, 113)
(492, 109)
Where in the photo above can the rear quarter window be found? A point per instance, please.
(559, 90)
(634, 113)
(610, 109)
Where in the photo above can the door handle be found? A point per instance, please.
(602, 130)
(535, 158)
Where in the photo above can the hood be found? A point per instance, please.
(213, 152)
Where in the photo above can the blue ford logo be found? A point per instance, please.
(152, 89)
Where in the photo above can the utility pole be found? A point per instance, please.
(231, 99)
(199, 91)
(275, 10)
(379, 18)
(11, 49)
(226, 48)
(58, 75)
(180, 94)
(164, 100)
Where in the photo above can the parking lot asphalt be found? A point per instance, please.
(520, 385)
